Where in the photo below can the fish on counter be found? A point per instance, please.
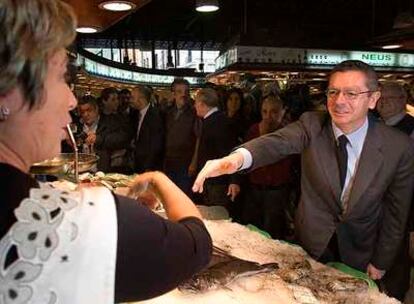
(222, 271)
(250, 268)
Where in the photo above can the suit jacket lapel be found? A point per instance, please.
(328, 159)
(370, 162)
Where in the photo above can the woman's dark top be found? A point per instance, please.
(154, 255)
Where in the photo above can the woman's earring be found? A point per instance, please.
(4, 112)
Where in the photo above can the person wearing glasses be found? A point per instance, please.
(357, 174)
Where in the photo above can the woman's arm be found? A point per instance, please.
(176, 203)
(155, 255)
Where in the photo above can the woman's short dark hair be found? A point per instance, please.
(32, 31)
(357, 65)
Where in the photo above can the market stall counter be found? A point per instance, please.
(250, 267)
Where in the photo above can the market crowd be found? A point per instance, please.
(134, 131)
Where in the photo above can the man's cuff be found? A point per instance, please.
(247, 158)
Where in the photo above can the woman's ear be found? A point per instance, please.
(11, 102)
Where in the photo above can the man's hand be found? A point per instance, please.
(375, 273)
(217, 167)
(192, 170)
(233, 191)
(90, 140)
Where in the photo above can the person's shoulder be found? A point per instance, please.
(314, 120)
(314, 117)
(392, 137)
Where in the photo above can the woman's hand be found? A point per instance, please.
(144, 188)
(156, 184)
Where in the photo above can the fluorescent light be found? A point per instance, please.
(87, 29)
(206, 6)
(391, 46)
(117, 6)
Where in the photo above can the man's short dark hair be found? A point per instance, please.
(178, 81)
(108, 92)
(124, 91)
(88, 99)
(357, 65)
(144, 90)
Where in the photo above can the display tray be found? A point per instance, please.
(64, 164)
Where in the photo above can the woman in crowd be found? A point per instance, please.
(234, 106)
(86, 246)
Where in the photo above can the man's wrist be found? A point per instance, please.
(246, 158)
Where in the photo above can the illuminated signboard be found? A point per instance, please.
(226, 59)
(313, 57)
(113, 73)
(377, 59)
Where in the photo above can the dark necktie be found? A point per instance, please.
(342, 158)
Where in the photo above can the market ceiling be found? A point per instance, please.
(335, 24)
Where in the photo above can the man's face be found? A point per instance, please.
(138, 100)
(391, 103)
(200, 107)
(349, 100)
(124, 98)
(89, 113)
(112, 103)
(271, 112)
(181, 94)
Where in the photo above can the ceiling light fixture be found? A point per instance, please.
(117, 6)
(87, 29)
(206, 6)
(391, 46)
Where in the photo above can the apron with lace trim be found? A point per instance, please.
(62, 249)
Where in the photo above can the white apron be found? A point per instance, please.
(66, 243)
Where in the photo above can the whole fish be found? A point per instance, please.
(223, 270)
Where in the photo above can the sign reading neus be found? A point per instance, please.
(311, 57)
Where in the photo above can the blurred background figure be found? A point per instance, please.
(104, 135)
(217, 139)
(392, 108)
(234, 110)
(109, 101)
(124, 97)
(147, 144)
(180, 139)
(269, 186)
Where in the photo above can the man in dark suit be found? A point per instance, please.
(180, 137)
(104, 135)
(357, 174)
(217, 139)
(147, 144)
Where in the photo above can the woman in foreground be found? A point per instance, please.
(86, 246)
